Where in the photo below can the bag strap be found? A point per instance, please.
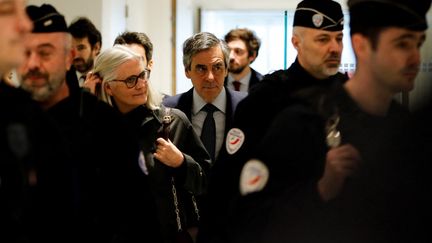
(177, 210)
(166, 121)
(176, 205)
(195, 207)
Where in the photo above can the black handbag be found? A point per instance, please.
(182, 236)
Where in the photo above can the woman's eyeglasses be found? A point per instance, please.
(131, 81)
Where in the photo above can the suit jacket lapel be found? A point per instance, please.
(229, 111)
(185, 103)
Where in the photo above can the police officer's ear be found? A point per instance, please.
(295, 40)
(361, 45)
(70, 55)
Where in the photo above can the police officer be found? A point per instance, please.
(104, 155)
(34, 168)
(340, 169)
(317, 37)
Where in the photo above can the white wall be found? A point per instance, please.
(154, 18)
(78, 8)
(185, 26)
(113, 20)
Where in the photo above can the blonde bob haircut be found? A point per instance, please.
(108, 62)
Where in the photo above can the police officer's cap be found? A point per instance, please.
(409, 14)
(46, 19)
(319, 14)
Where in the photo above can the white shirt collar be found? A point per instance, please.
(199, 103)
(80, 81)
(78, 74)
(243, 81)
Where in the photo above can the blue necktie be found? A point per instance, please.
(208, 132)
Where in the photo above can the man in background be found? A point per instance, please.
(244, 46)
(139, 42)
(86, 43)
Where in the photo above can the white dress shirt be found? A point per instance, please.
(199, 116)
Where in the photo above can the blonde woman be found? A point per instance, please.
(173, 160)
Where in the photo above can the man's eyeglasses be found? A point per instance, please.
(131, 81)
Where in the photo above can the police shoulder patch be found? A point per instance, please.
(234, 140)
(253, 177)
(142, 163)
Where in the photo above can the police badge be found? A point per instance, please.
(317, 20)
(333, 135)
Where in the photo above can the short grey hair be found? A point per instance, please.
(106, 65)
(200, 42)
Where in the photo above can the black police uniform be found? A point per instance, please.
(105, 154)
(422, 142)
(378, 203)
(35, 175)
(105, 163)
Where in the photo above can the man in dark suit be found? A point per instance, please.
(86, 42)
(205, 58)
(244, 45)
